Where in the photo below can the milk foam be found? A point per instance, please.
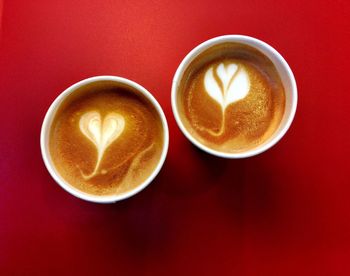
(101, 133)
(235, 84)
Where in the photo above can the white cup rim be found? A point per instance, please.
(258, 44)
(46, 128)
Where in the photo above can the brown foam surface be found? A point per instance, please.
(243, 124)
(127, 161)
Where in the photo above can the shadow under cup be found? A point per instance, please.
(218, 46)
(107, 82)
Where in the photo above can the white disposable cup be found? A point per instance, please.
(45, 130)
(285, 73)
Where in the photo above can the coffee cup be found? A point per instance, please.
(104, 139)
(234, 96)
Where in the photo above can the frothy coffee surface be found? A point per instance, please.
(231, 98)
(106, 139)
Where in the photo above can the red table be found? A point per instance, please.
(285, 212)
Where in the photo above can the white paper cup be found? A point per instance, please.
(285, 73)
(45, 130)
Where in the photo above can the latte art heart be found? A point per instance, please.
(227, 84)
(235, 84)
(101, 133)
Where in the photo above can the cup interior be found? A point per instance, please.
(45, 131)
(283, 70)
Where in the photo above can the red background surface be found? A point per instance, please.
(285, 212)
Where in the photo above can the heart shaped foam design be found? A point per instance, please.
(226, 84)
(101, 133)
(235, 84)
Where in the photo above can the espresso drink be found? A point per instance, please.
(106, 138)
(231, 98)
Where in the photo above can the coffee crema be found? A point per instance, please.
(106, 138)
(230, 98)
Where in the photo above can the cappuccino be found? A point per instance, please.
(106, 138)
(230, 98)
